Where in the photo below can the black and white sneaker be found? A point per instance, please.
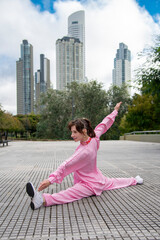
(30, 189)
(36, 197)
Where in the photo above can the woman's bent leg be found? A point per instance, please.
(115, 183)
(78, 191)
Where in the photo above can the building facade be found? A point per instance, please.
(42, 80)
(69, 62)
(122, 66)
(76, 29)
(37, 91)
(25, 80)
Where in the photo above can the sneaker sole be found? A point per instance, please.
(30, 190)
(32, 206)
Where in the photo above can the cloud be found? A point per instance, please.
(8, 94)
(108, 22)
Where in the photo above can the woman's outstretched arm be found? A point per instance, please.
(75, 162)
(117, 106)
(107, 121)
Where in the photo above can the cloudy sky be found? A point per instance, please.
(42, 22)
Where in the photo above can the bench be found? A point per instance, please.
(3, 141)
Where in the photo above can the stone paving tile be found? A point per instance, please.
(129, 213)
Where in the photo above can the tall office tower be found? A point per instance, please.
(76, 29)
(25, 83)
(122, 66)
(44, 73)
(37, 91)
(42, 79)
(69, 61)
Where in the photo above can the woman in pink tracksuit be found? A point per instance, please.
(88, 179)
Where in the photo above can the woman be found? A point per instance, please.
(88, 179)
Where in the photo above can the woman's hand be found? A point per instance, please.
(117, 106)
(44, 185)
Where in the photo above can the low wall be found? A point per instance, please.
(142, 137)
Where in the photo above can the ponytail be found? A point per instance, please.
(90, 131)
(82, 123)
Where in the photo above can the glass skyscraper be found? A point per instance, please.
(25, 82)
(122, 66)
(69, 61)
(76, 29)
(42, 79)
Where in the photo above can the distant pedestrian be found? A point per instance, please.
(88, 179)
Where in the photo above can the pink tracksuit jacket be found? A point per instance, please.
(88, 179)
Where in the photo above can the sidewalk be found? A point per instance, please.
(128, 213)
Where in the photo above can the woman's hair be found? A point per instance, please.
(80, 124)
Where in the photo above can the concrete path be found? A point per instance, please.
(128, 213)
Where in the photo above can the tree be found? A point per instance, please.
(144, 112)
(148, 77)
(9, 123)
(54, 115)
(29, 123)
(1, 117)
(89, 100)
(79, 100)
(117, 94)
(140, 115)
(148, 74)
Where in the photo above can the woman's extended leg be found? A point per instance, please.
(115, 183)
(78, 191)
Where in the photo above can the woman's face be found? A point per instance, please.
(77, 136)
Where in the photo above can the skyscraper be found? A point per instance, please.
(76, 29)
(122, 66)
(42, 79)
(25, 84)
(37, 91)
(69, 61)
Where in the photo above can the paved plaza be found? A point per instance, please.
(127, 213)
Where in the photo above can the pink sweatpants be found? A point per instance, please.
(80, 190)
